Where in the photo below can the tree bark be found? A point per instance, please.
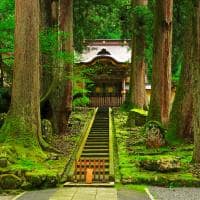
(196, 81)
(181, 115)
(23, 121)
(66, 25)
(45, 13)
(61, 97)
(161, 73)
(138, 65)
(45, 60)
(1, 71)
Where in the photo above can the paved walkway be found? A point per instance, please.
(79, 193)
(74, 193)
(92, 193)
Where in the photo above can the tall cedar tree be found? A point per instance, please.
(1, 71)
(196, 80)
(46, 23)
(23, 121)
(57, 89)
(138, 66)
(66, 26)
(181, 114)
(161, 75)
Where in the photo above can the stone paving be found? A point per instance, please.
(82, 193)
(73, 193)
(96, 193)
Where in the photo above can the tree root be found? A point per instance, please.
(47, 147)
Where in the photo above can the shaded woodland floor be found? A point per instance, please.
(138, 164)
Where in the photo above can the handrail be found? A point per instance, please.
(111, 152)
(86, 135)
(68, 170)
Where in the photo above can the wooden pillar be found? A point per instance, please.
(123, 92)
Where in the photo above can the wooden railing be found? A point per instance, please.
(97, 165)
(107, 101)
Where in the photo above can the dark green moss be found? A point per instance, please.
(132, 149)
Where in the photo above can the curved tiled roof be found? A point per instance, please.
(118, 50)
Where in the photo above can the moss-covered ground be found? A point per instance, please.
(131, 145)
(31, 167)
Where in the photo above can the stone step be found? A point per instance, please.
(94, 184)
(94, 154)
(95, 178)
(98, 137)
(100, 130)
(106, 159)
(94, 143)
(100, 126)
(95, 150)
(101, 121)
(92, 166)
(98, 140)
(102, 139)
(96, 147)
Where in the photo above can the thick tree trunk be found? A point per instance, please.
(45, 59)
(161, 75)
(196, 81)
(1, 71)
(66, 26)
(61, 97)
(181, 115)
(138, 66)
(23, 122)
(45, 13)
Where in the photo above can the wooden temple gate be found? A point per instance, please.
(102, 101)
(97, 165)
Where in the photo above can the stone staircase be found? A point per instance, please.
(96, 149)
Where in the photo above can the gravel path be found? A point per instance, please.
(175, 193)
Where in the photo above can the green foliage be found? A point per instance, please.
(27, 165)
(49, 46)
(101, 20)
(7, 36)
(82, 101)
(80, 93)
(48, 41)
